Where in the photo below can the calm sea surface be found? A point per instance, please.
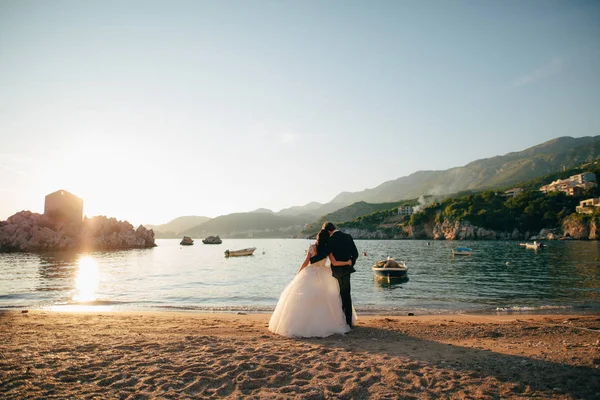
(499, 277)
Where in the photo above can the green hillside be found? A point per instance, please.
(530, 211)
(495, 172)
(353, 211)
(535, 184)
(529, 169)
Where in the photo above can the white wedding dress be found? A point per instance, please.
(310, 305)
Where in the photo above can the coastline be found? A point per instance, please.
(374, 311)
(151, 354)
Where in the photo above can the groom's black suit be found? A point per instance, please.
(342, 246)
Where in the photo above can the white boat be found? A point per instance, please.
(241, 252)
(390, 269)
(535, 245)
(462, 251)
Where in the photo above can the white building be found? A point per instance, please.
(588, 206)
(513, 192)
(405, 210)
(572, 185)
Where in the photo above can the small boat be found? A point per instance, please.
(535, 245)
(241, 252)
(390, 269)
(186, 241)
(212, 240)
(462, 251)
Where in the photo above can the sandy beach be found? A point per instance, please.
(141, 355)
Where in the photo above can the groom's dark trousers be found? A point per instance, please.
(342, 246)
(344, 282)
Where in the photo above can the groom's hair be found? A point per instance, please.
(329, 226)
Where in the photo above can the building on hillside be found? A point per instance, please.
(573, 186)
(404, 211)
(559, 185)
(588, 206)
(513, 192)
(64, 206)
(573, 191)
(583, 177)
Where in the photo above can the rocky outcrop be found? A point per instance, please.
(212, 240)
(457, 230)
(421, 231)
(594, 229)
(27, 231)
(186, 241)
(548, 234)
(574, 226)
(579, 226)
(464, 230)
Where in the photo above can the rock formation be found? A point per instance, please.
(579, 226)
(27, 231)
(186, 241)
(575, 226)
(212, 240)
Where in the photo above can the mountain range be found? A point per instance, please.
(495, 172)
(256, 224)
(175, 227)
(489, 173)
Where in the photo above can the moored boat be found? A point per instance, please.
(242, 252)
(462, 251)
(186, 241)
(390, 269)
(212, 240)
(535, 245)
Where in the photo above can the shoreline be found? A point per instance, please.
(525, 311)
(107, 307)
(157, 354)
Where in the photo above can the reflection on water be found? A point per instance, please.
(87, 280)
(389, 283)
(500, 275)
(56, 270)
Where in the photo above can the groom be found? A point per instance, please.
(343, 248)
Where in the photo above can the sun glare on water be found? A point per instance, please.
(87, 280)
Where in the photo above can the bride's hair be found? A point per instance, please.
(322, 238)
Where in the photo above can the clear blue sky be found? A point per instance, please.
(150, 110)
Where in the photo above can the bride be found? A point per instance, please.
(310, 305)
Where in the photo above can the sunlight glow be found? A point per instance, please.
(87, 280)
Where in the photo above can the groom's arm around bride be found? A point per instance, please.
(342, 246)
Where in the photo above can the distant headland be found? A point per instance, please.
(63, 227)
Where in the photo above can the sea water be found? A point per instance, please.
(499, 277)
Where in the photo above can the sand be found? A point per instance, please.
(141, 355)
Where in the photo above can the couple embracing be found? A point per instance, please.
(317, 302)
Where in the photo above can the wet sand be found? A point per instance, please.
(188, 355)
